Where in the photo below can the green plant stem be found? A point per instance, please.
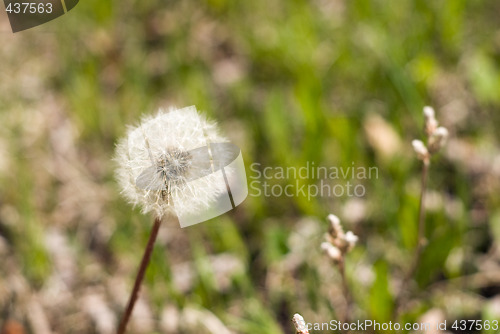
(421, 240)
(140, 276)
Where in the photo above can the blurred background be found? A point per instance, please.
(333, 82)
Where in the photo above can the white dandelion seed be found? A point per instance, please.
(166, 164)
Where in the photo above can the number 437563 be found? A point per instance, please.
(477, 325)
(29, 7)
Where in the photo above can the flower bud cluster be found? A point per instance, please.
(338, 242)
(436, 136)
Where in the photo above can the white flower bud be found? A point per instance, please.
(429, 112)
(336, 230)
(333, 219)
(430, 126)
(420, 149)
(300, 324)
(441, 132)
(351, 240)
(333, 252)
(438, 139)
(430, 120)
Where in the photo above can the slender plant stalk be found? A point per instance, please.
(345, 290)
(140, 276)
(421, 240)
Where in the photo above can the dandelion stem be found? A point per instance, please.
(421, 239)
(140, 276)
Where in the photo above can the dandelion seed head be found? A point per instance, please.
(155, 163)
(173, 165)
